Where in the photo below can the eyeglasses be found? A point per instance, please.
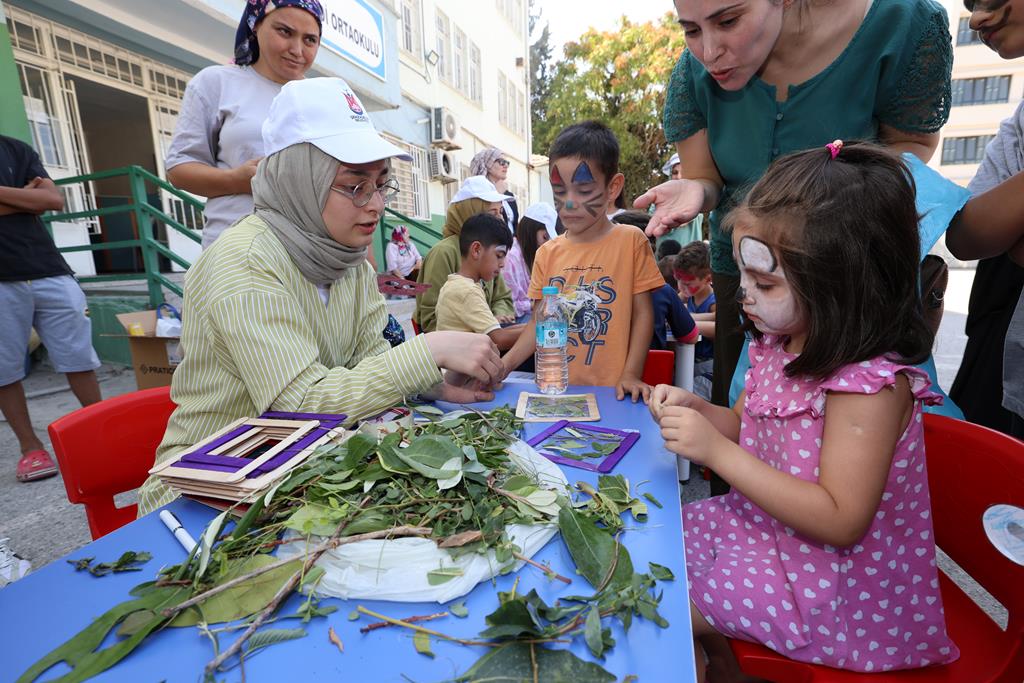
(503, 162)
(362, 193)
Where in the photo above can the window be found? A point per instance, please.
(43, 116)
(459, 66)
(502, 99)
(964, 150)
(412, 178)
(981, 90)
(511, 105)
(512, 10)
(444, 47)
(412, 40)
(521, 113)
(964, 34)
(463, 172)
(25, 36)
(476, 91)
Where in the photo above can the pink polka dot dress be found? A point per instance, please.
(873, 606)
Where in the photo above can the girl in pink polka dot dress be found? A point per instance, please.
(823, 550)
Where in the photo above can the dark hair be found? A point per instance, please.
(665, 265)
(526, 234)
(633, 217)
(668, 248)
(488, 230)
(694, 259)
(591, 141)
(846, 232)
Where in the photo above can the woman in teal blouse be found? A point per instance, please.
(762, 78)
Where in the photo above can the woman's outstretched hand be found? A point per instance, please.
(676, 202)
(467, 353)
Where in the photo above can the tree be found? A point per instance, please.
(540, 73)
(619, 78)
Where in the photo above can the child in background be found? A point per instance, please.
(692, 270)
(461, 303)
(666, 249)
(537, 226)
(669, 310)
(824, 550)
(605, 272)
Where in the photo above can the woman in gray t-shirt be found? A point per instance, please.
(218, 140)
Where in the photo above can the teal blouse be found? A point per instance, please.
(895, 71)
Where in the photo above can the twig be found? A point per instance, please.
(444, 636)
(393, 532)
(544, 568)
(281, 594)
(409, 620)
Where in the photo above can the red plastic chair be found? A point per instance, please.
(108, 448)
(659, 368)
(970, 468)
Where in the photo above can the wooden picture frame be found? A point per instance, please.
(553, 408)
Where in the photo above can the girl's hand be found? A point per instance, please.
(690, 434)
(676, 202)
(633, 386)
(665, 395)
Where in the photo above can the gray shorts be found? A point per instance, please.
(56, 307)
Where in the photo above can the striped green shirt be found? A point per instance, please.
(257, 337)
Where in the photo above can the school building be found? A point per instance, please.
(96, 85)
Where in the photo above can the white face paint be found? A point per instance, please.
(766, 295)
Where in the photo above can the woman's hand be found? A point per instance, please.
(243, 175)
(690, 434)
(665, 395)
(676, 202)
(467, 353)
(459, 388)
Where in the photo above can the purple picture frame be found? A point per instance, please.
(604, 466)
(203, 459)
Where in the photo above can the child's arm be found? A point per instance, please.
(524, 346)
(990, 223)
(640, 330)
(682, 324)
(857, 448)
(707, 328)
(506, 337)
(725, 420)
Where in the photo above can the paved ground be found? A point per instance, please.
(43, 526)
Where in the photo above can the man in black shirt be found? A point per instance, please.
(37, 289)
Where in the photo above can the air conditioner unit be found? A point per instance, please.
(444, 128)
(442, 166)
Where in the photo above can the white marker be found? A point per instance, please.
(180, 533)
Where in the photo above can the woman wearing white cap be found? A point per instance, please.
(282, 312)
(477, 195)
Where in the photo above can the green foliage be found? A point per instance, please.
(128, 562)
(618, 77)
(524, 662)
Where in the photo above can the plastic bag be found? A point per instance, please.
(397, 569)
(168, 321)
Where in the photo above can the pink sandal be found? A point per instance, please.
(36, 465)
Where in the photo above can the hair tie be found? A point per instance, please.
(834, 147)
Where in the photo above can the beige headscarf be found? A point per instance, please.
(460, 212)
(289, 192)
(482, 160)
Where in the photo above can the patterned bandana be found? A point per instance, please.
(246, 49)
(400, 238)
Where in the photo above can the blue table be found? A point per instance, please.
(49, 606)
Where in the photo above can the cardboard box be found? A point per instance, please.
(154, 358)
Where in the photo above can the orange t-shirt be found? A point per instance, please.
(599, 279)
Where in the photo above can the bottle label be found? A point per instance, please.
(552, 334)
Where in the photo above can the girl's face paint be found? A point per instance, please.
(764, 292)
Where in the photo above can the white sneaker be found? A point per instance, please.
(12, 567)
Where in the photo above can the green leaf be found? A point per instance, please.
(316, 519)
(459, 609)
(247, 520)
(272, 636)
(247, 598)
(661, 573)
(514, 618)
(513, 663)
(356, 448)
(353, 615)
(422, 642)
(428, 411)
(432, 456)
(594, 550)
(443, 575)
(654, 501)
(207, 540)
(592, 631)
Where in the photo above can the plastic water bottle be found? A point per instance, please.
(551, 363)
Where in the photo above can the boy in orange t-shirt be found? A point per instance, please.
(605, 272)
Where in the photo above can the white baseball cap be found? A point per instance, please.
(545, 214)
(480, 187)
(326, 113)
(667, 168)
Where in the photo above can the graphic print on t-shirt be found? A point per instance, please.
(586, 294)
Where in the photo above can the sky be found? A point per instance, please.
(569, 19)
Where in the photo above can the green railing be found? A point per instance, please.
(146, 219)
(422, 235)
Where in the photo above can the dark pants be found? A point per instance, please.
(728, 346)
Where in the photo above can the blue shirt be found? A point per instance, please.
(669, 310)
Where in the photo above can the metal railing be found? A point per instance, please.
(146, 219)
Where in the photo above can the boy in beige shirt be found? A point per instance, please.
(461, 304)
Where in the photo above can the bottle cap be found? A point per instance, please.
(549, 290)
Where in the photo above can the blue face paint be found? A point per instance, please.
(570, 204)
(582, 174)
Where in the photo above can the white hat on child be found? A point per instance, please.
(543, 213)
(667, 168)
(326, 113)
(480, 187)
